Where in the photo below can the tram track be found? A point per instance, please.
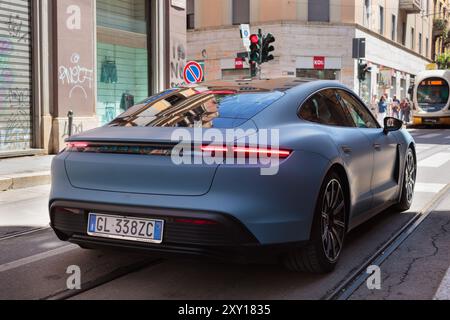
(104, 279)
(18, 234)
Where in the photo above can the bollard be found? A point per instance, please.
(70, 124)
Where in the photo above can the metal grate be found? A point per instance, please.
(15, 75)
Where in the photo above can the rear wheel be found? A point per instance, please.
(328, 232)
(409, 182)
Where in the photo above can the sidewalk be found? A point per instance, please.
(25, 172)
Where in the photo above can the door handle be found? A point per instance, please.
(377, 146)
(347, 150)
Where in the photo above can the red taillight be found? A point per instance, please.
(77, 146)
(214, 149)
(262, 151)
(248, 151)
(197, 222)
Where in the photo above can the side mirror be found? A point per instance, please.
(392, 124)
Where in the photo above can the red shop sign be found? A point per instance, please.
(239, 63)
(319, 63)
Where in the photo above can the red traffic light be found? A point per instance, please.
(254, 38)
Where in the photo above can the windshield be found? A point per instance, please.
(433, 91)
(198, 107)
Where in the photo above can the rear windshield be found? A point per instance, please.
(198, 107)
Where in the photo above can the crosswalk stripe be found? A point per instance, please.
(429, 187)
(430, 136)
(424, 146)
(435, 161)
(38, 257)
(443, 292)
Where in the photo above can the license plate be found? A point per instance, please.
(125, 228)
(431, 121)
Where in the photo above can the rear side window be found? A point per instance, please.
(360, 115)
(324, 108)
(198, 107)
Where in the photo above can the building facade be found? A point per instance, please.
(94, 58)
(314, 39)
(441, 26)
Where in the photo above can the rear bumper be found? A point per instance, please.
(274, 209)
(227, 238)
(417, 121)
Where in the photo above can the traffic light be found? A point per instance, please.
(267, 48)
(363, 68)
(255, 48)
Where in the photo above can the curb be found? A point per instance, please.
(24, 180)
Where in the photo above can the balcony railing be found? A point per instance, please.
(439, 27)
(411, 6)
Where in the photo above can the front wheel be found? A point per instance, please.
(328, 232)
(409, 182)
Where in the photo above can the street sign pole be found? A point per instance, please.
(259, 69)
(245, 35)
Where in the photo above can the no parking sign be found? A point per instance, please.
(193, 72)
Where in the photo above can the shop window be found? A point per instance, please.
(235, 74)
(318, 74)
(122, 56)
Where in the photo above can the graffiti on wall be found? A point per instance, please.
(177, 64)
(76, 76)
(18, 97)
(5, 52)
(17, 29)
(77, 128)
(18, 119)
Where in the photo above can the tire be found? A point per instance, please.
(321, 254)
(409, 182)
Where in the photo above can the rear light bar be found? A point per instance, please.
(236, 151)
(248, 151)
(77, 146)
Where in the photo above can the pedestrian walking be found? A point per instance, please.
(405, 107)
(396, 108)
(382, 109)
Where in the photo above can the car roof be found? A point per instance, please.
(264, 85)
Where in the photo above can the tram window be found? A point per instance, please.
(433, 91)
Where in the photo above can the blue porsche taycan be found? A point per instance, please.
(158, 178)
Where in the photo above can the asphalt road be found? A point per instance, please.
(34, 265)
